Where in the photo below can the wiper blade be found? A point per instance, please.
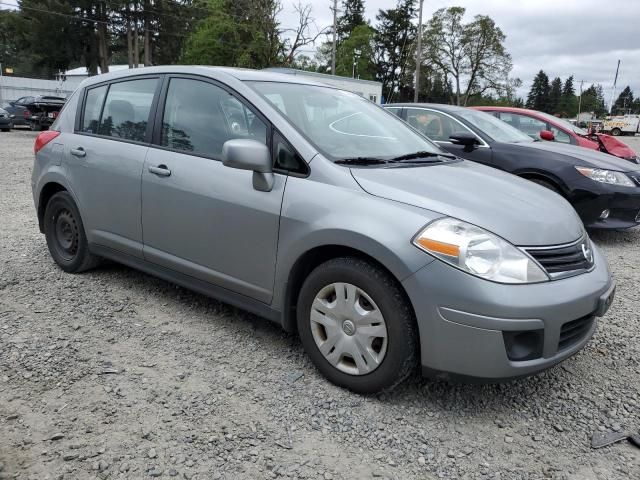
(422, 154)
(361, 161)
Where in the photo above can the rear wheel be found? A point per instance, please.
(616, 132)
(357, 326)
(65, 235)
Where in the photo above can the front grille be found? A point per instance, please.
(565, 258)
(573, 332)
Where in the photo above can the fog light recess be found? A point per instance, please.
(523, 345)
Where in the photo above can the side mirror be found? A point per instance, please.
(547, 135)
(464, 138)
(246, 154)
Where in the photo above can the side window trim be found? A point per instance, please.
(108, 84)
(272, 147)
(482, 145)
(156, 137)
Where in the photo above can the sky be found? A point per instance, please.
(584, 38)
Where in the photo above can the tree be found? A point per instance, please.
(555, 95)
(473, 54)
(538, 98)
(393, 38)
(357, 48)
(351, 18)
(593, 100)
(624, 102)
(568, 101)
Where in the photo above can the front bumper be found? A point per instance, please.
(466, 323)
(623, 204)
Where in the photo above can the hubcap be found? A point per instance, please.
(348, 328)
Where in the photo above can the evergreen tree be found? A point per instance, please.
(538, 98)
(593, 100)
(352, 17)
(624, 102)
(555, 95)
(569, 102)
(357, 48)
(394, 37)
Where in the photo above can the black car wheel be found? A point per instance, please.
(616, 132)
(357, 326)
(65, 235)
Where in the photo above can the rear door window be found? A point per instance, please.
(126, 110)
(92, 108)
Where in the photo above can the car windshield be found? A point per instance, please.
(494, 128)
(343, 125)
(568, 125)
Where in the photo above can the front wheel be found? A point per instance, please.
(357, 326)
(65, 235)
(616, 132)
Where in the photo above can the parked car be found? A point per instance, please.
(18, 110)
(43, 110)
(540, 125)
(604, 190)
(381, 252)
(6, 120)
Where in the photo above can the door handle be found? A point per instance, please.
(78, 152)
(160, 170)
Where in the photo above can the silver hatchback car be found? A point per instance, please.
(320, 211)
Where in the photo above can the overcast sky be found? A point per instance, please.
(584, 38)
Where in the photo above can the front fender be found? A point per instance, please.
(344, 217)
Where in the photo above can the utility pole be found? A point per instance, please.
(613, 90)
(335, 28)
(579, 102)
(418, 54)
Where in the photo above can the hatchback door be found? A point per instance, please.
(199, 217)
(105, 158)
(439, 126)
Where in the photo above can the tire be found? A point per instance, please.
(390, 358)
(616, 132)
(547, 185)
(65, 235)
(6, 129)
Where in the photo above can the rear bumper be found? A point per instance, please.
(467, 325)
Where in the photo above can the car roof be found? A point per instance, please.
(508, 109)
(435, 106)
(243, 74)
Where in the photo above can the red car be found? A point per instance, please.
(547, 127)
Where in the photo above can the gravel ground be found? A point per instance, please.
(116, 374)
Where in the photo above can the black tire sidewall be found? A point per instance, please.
(57, 202)
(401, 352)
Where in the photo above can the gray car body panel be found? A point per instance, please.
(206, 228)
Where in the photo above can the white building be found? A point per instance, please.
(365, 88)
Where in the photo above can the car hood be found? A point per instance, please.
(616, 147)
(519, 211)
(581, 156)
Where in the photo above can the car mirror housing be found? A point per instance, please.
(246, 154)
(464, 138)
(547, 135)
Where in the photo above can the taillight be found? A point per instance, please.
(44, 138)
(27, 113)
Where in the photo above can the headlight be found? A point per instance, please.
(606, 176)
(478, 252)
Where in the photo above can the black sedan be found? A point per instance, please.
(6, 120)
(604, 190)
(19, 110)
